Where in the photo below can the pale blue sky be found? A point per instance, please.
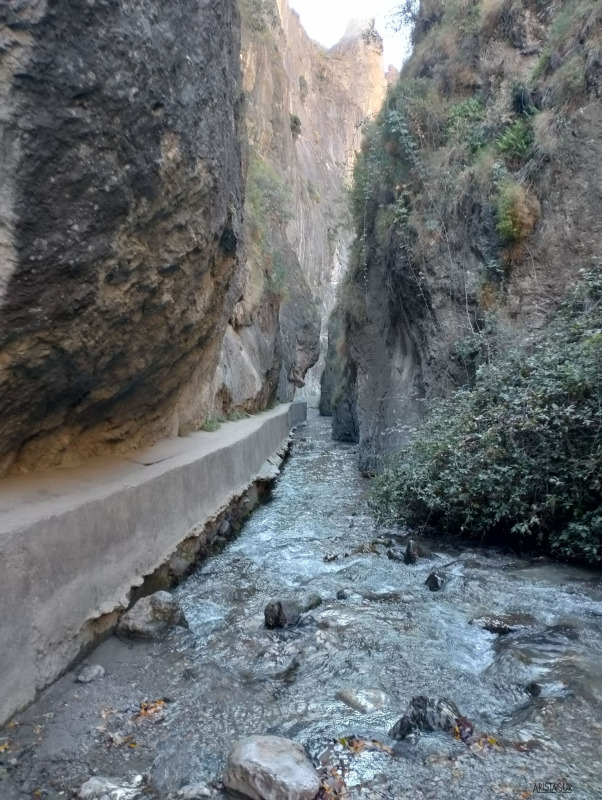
(326, 21)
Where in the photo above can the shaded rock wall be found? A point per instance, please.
(120, 213)
(304, 108)
(436, 281)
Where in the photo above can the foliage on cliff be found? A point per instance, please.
(518, 455)
(467, 201)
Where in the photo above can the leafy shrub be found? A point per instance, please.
(517, 212)
(517, 141)
(267, 196)
(278, 274)
(518, 456)
(211, 425)
(464, 124)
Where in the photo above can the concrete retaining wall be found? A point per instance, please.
(73, 543)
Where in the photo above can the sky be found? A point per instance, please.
(326, 21)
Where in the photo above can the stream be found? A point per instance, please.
(348, 669)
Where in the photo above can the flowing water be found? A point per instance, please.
(351, 666)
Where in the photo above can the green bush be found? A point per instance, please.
(517, 212)
(517, 141)
(464, 124)
(212, 424)
(278, 274)
(517, 457)
(267, 196)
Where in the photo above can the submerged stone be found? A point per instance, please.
(271, 768)
(503, 623)
(195, 791)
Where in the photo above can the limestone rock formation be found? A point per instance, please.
(483, 180)
(304, 108)
(120, 217)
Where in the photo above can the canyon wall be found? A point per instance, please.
(478, 200)
(120, 217)
(304, 111)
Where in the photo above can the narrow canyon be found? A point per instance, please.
(300, 400)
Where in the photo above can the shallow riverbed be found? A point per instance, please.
(350, 667)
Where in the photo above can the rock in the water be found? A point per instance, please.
(367, 701)
(310, 601)
(89, 674)
(392, 555)
(280, 614)
(424, 714)
(414, 551)
(152, 617)
(196, 791)
(271, 768)
(100, 788)
(287, 613)
(435, 581)
(503, 623)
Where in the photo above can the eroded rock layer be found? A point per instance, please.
(304, 110)
(120, 216)
(478, 199)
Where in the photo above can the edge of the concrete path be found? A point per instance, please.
(68, 574)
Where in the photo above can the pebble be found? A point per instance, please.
(90, 674)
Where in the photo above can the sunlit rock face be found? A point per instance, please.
(120, 220)
(304, 110)
(499, 211)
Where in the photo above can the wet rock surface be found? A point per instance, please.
(425, 714)
(171, 710)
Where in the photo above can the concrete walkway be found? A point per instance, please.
(73, 542)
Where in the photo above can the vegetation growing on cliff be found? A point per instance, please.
(267, 209)
(517, 456)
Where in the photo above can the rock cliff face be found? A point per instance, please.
(478, 198)
(120, 216)
(304, 109)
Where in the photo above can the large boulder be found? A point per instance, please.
(271, 768)
(152, 617)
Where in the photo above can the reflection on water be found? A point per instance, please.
(387, 639)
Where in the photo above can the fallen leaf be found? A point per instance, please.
(148, 710)
(4, 747)
(356, 745)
